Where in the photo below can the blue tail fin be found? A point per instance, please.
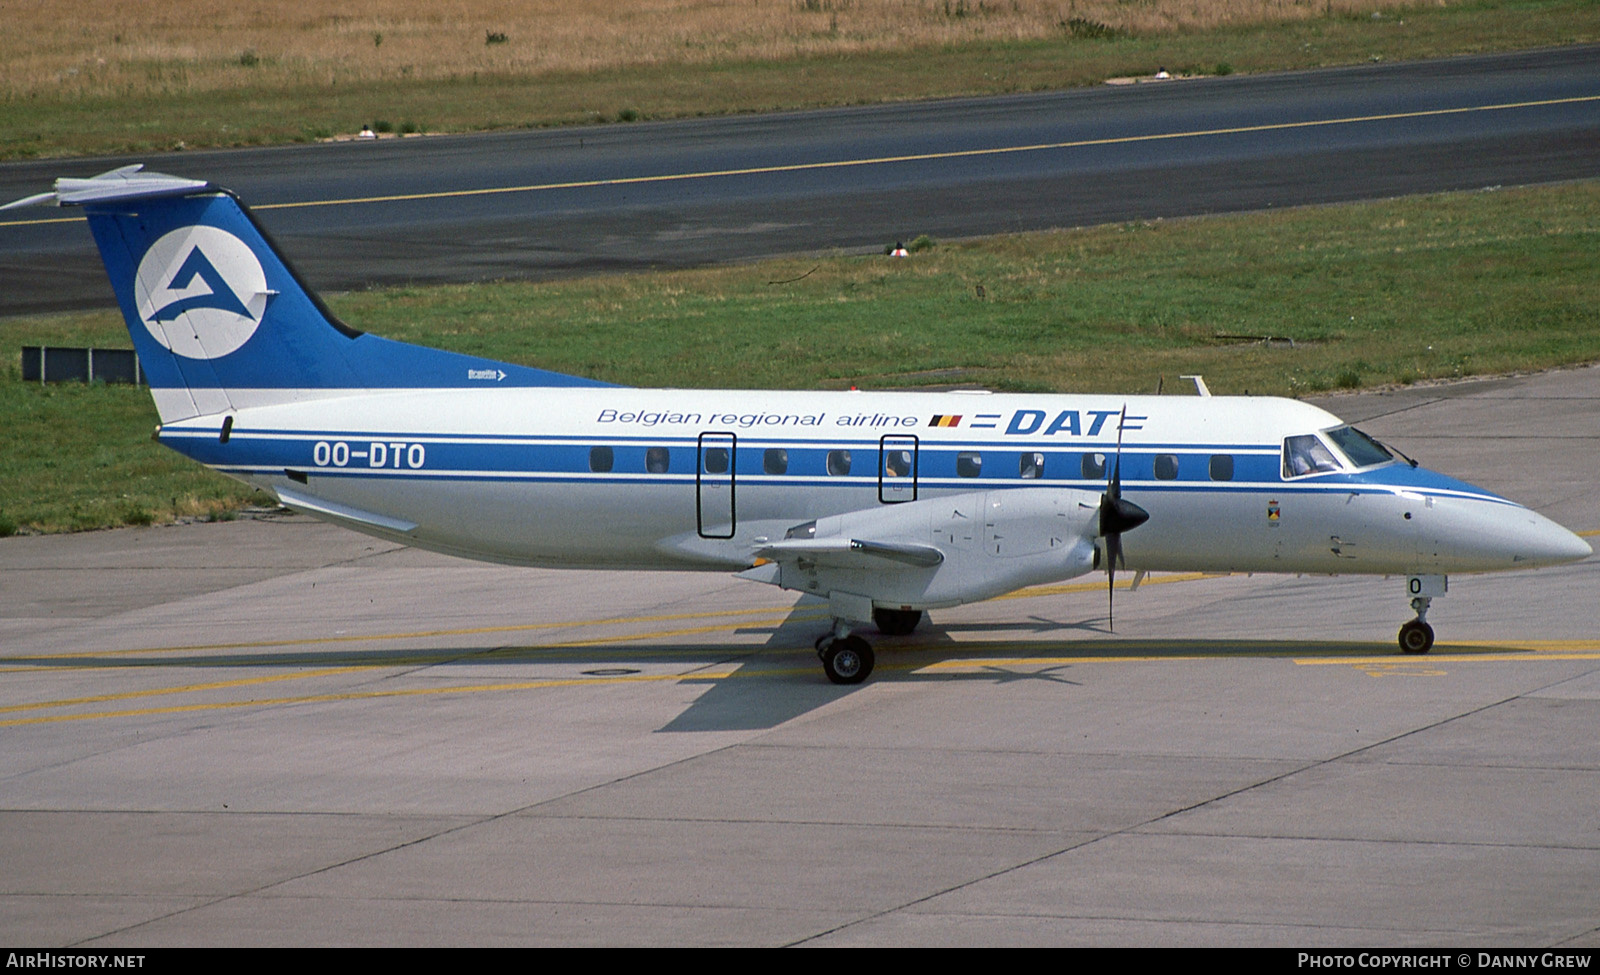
(221, 321)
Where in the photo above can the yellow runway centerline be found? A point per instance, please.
(890, 160)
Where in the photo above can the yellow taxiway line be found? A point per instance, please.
(795, 614)
(412, 635)
(1541, 651)
(1301, 652)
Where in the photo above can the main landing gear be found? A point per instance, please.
(1416, 637)
(896, 622)
(847, 658)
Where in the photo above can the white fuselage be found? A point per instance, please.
(644, 478)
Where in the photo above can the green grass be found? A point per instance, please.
(1376, 293)
(79, 457)
(276, 113)
(1388, 292)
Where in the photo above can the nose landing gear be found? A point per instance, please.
(1416, 637)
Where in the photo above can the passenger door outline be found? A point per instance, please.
(898, 457)
(714, 489)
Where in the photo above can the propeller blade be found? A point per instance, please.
(1113, 554)
(1116, 516)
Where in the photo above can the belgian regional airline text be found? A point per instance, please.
(1034, 423)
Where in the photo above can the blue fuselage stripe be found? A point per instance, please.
(776, 462)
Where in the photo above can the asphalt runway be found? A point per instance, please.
(560, 202)
(273, 732)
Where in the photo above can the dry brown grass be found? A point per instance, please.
(95, 48)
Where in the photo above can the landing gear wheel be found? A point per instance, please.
(1416, 637)
(847, 660)
(896, 622)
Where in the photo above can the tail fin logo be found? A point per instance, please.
(201, 292)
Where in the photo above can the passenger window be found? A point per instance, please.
(656, 460)
(1166, 467)
(775, 461)
(716, 460)
(969, 463)
(897, 463)
(838, 462)
(601, 459)
(1094, 466)
(1031, 466)
(1306, 455)
(1222, 467)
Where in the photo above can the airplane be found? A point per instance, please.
(886, 504)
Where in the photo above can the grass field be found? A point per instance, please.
(1388, 292)
(193, 46)
(80, 77)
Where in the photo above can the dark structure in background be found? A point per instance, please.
(42, 364)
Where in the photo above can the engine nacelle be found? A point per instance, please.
(986, 544)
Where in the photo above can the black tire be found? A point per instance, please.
(896, 622)
(848, 660)
(1416, 637)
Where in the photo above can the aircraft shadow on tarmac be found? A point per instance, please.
(751, 687)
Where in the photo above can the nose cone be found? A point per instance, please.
(1557, 546)
(1471, 535)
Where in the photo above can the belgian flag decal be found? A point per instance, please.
(945, 421)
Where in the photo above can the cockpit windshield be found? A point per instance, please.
(1309, 454)
(1362, 450)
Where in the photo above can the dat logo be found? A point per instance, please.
(201, 292)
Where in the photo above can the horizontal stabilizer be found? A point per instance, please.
(127, 183)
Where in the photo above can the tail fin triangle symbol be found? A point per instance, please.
(220, 296)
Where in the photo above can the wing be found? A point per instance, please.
(937, 551)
